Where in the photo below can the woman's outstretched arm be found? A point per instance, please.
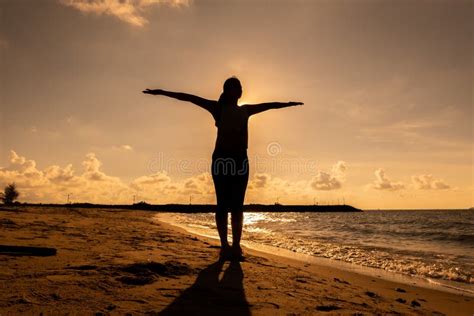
(204, 103)
(257, 108)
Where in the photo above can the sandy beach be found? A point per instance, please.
(126, 262)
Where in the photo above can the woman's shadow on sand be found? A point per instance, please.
(209, 295)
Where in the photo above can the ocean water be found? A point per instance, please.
(437, 246)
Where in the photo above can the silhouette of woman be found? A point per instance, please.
(230, 168)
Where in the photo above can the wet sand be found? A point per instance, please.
(126, 262)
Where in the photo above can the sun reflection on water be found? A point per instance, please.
(252, 218)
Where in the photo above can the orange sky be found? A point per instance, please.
(387, 88)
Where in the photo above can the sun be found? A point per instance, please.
(242, 102)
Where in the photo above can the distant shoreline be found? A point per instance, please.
(205, 208)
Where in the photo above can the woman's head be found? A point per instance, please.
(232, 91)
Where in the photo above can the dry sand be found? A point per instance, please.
(125, 262)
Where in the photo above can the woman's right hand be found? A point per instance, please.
(152, 91)
(292, 103)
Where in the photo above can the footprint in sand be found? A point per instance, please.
(327, 308)
(147, 273)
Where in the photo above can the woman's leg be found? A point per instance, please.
(237, 221)
(221, 223)
(222, 209)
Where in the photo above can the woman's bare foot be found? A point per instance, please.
(237, 253)
(225, 253)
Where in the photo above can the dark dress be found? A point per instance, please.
(230, 167)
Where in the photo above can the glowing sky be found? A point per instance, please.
(387, 87)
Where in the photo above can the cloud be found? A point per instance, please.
(128, 11)
(65, 176)
(330, 181)
(23, 171)
(261, 180)
(428, 182)
(201, 184)
(126, 147)
(92, 170)
(123, 148)
(266, 188)
(156, 179)
(54, 183)
(383, 183)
